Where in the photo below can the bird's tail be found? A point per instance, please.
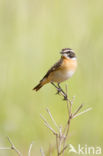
(36, 88)
(41, 84)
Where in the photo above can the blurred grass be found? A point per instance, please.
(31, 35)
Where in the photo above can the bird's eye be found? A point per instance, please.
(68, 52)
(71, 55)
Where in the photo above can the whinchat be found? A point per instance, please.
(62, 70)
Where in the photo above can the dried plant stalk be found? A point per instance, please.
(61, 135)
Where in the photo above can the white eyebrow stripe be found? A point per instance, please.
(67, 50)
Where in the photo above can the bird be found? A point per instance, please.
(60, 71)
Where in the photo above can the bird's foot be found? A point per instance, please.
(65, 97)
(58, 90)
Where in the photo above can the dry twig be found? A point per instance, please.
(29, 152)
(42, 151)
(14, 148)
(62, 135)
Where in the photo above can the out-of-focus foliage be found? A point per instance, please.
(31, 35)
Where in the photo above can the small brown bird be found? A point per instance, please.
(62, 70)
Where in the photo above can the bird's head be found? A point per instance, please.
(68, 53)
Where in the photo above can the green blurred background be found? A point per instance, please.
(32, 33)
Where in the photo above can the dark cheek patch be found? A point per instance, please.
(70, 56)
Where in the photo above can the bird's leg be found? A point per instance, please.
(61, 90)
(54, 85)
(58, 88)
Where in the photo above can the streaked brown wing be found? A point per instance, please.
(53, 68)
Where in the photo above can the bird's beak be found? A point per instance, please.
(61, 52)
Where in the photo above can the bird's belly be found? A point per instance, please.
(59, 76)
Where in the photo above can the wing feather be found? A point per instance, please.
(53, 68)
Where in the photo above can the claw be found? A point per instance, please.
(65, 98)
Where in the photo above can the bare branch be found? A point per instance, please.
(29, 152)
(47, 125)
(73, 98)
(42, 151)
(61, 136)
(5, 148)
(79, 108)
(63, 149)
(82, 112)
(14, 148)
(57, 145)
(52, 119)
